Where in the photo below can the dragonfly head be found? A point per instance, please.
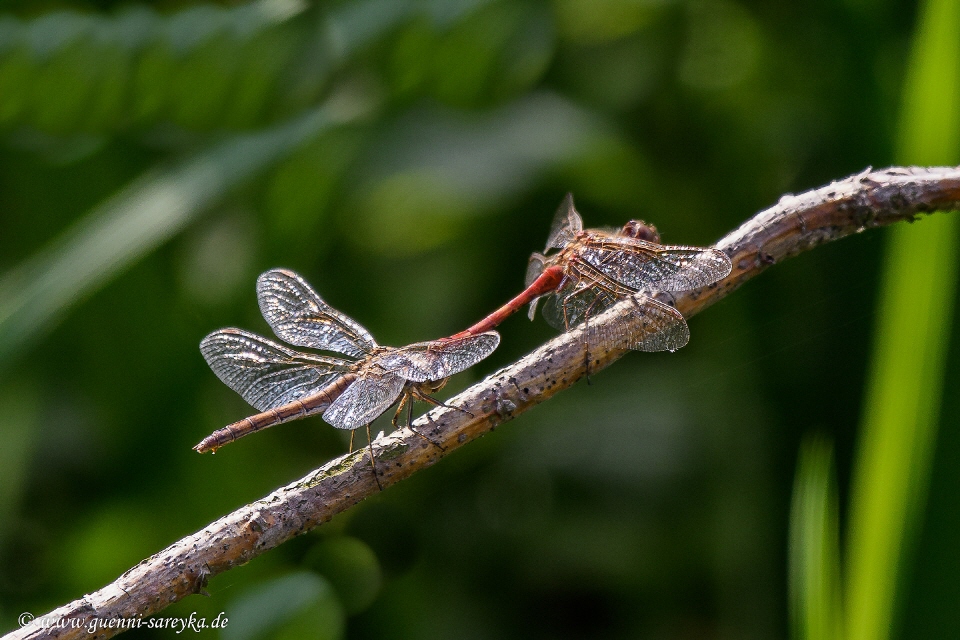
(641, 231)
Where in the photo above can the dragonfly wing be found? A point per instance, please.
(264, 373)
(411, 363)
(364, 400)
(643, 265)
(569, 306)
(567, 223)
(535, 267)
(299, 316)
(462, 353)
(655, 327)
(439, 359)
(662, 328)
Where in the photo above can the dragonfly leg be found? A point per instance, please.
(406, 400)
(419, 395)
(436, 444)
(373, 463)
(437, 403)
(586, 342)
(586, 362)
(586, 347)
(396, 415)
(410, 420)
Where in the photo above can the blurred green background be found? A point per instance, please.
(406, 157)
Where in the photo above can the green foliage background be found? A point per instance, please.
(406, 157)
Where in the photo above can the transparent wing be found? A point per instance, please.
(265, 373)
(643, 265)
(535, 267)
(566, 224)
(657, 326)
(364, 400)
(584, 291)
(299, 316)
(438, 359)
(569, 307)
(654, 326)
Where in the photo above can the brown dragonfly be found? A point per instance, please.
(350, 391)
(593, 269)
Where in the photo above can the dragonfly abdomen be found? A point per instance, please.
(300, 408)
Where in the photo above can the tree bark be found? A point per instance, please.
(793, 225)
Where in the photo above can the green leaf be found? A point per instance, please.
(815, 547)
(905, 385)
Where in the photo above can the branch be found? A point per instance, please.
(795, 224)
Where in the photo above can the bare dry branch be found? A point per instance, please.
(795, 224)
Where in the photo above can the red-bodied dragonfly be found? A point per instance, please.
(592, 269)
(351, 391)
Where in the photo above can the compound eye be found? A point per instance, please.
(641, 231)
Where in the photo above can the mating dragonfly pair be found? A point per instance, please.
(590, 271)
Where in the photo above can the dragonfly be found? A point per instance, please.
(351, 389)
(592, 269)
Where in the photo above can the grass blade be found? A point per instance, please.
(905, 384)
(815, 546)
